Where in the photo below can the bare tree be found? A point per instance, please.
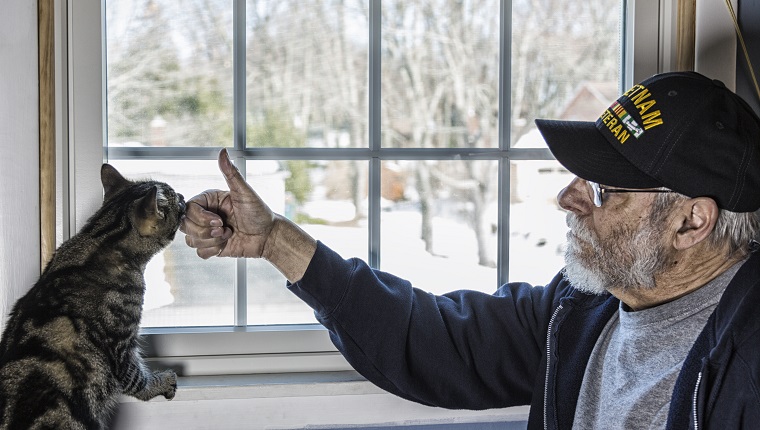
(307, 68)
(169, 68)
(308, 61)
(440, 89)
(554, 51)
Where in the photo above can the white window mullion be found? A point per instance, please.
(505, 101)
(239, 115)
(375, 75)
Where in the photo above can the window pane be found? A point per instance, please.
(181, 288)
(565, 62)
(328, 199)
(440, 73)
(429, 220)
(536, 222)
(169, 83)
(306, 73)
(169, 68)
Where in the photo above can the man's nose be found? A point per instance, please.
(575, 197)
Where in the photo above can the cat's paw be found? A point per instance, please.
(168, 382)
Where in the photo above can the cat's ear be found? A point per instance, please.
(148, 214)
(112, 180)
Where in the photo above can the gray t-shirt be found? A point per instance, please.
(633, 368)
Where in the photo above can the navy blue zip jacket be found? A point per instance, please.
(523, 344)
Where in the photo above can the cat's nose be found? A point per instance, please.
(182, 205)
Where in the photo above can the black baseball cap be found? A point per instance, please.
(679, 130)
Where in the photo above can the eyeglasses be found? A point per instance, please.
(598, 192)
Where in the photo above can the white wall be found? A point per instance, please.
(19, 152)
(715, 42)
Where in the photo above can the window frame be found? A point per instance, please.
(243, 349)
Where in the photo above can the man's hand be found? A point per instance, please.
(237, 223)
(234, 223)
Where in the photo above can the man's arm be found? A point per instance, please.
(289, 248)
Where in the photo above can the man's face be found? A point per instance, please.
(620, 245)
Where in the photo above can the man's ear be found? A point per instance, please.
(698, 217)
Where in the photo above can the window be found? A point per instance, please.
(398, 131)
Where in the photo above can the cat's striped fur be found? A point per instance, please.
(70, 347)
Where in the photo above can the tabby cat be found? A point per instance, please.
(70, 347)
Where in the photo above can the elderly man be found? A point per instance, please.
(651, 324)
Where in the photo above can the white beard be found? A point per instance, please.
(626, 259)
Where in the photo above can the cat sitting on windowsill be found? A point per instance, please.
(70, 347)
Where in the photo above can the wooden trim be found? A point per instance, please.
(686, 33)
(45, 22)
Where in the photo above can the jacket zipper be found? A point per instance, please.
(694, 401)
(548, 363)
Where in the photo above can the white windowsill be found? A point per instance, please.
(290, 401)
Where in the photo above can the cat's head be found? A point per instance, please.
(153, 208)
